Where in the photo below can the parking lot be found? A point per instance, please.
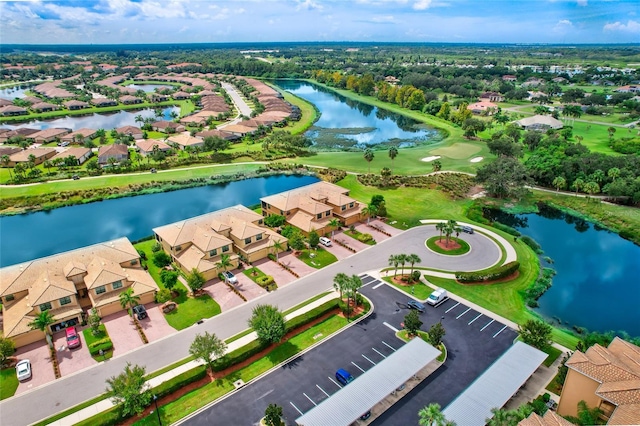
(473, 341)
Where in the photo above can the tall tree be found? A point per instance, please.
(273, 415)
(394, 261)
(7, 348)
(369, 210)
(412, 322)
(369, 156)
(559, 183)
(341, 282)
(413, 259)
(393, 153)
(441, 226)
(130, 389)
(431, 415)
(207, 348)
(224, 262)
(128, 300)
(334, 224)
(402, 260)
(535, 333)
(268, 323)
(43, 322)
(195, 280)
(277, 246)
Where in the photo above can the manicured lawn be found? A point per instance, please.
(198, 398)
(308, 110)
(191, 309)
(553, 354)
(8, 383)
(89, 339)
(419, 290)
(355, 234)
(464, 246)
(318, 258)
(253, 270)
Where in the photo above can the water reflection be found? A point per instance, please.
(14, 92)
(97, 121)
(148, 88)
(349, 124)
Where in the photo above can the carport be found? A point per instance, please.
(350, 402)
(495, 386)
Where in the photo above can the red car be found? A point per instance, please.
(73, 340)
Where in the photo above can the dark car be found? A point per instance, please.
(75, 177)
(140, 312)
(366, 415)
(154, 171)
(467, 229)
(412, 304)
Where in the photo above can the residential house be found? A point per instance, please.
(312, 207)
(12, 110)
(130, 100)
(118, 152)
(483, 107)
(184, 140)
(540, 123)
(492, 97)
(559, 80)
(5, 102)
(49, 135)
(104, 102)
(218, 134)
(8, 150)
(550, 418)
(80, 154)
(74, 105)
(200, 242)
(158, 97)
(163, 125)
(509, 77)
(179, 96)
(23, 132)
(145, 146)
(40, 154)
(44, 107)
(607, 378)
(632, 88)
(79, 136)
(133, 131)
(68, 284)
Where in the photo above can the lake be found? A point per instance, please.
(596, 285)
(35, 235)
(348, 124)
(97, 121)
(14, 92)
(148, 88)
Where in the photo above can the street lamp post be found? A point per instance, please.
(155, 401)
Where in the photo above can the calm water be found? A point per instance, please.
(149, 88)
(97, 121)
(345, 123)
(14, 92)
(30, 236)
(597, 283)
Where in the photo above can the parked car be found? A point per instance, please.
(154, 171)
(467, 229)
(75, 177)
(23, 370)
(344, 377)
(73, 340)
(228, 276)
(366, 415)
(413, 304)
(140, 312)
(437, 296)
(325, 241)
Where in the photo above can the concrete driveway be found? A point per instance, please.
(296, 265)
(247, 287)
(279, 274)
(338, 251)
(72, 360)
(222, 294)
(122, 332)
(155, 327)
(350, 241)
(41, 366)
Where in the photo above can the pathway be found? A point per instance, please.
(241, 105)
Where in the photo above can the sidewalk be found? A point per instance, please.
(106, 404)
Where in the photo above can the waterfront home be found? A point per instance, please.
(117, 152)
(39, 154)
(78, 153)
(146, 146)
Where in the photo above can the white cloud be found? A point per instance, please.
(563, 26)
(386, 19)
(422, 4)
(309, 5)
(630, 26)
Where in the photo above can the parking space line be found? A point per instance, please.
(377, 285)
(310, 399)
(357, 366)
(470, 322)
(388, 345)
(363, 356)
(378, 352)
(494, 336)
(447, 311)
(487, 325)
(463, 313)
(301, 413)
(391, 327)
(322, 390)
(336, 383)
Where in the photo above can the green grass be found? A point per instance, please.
(464, 246)
(71, 410)
(553, 354)
(250, 271)
(309, 114)
(419, 290)
(318, 258)
(8, 383)
(191, 310)
(355, 233)
(89, 339)
(198, 398)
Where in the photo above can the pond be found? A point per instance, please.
(14, 92)
(97, 121)
(348, 124)
(148, 88)
(597, 285)
(31, 236)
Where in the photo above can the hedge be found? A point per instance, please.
(105, 344)
(181, 380)
(490, 274)
(532, 243)
(309, 316)
(506, 228)
(264, 280)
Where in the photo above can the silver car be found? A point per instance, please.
(229, 277)
(23, 370)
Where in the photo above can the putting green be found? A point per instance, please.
(458, 151)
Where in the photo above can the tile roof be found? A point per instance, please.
(550, 418)
(628, 414)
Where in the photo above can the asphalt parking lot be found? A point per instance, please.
(474, 342)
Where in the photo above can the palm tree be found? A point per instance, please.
(393, 260)
(591, 188)
(501, 417)
(393, 153)
(613, 173)
(578, 184)
(559, 182)
(128, 300)
(340, 282)
(431, 415)
(225, 262)
(334, 224)
(368, 156)
(402, 260)
(355, 282)
(441, 227)
(278, 246)
(413, 259)
(43, 322)
(139, 119)
(370, 210)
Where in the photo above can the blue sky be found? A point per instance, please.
(210, 21)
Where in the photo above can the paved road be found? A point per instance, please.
(308, 380)
(241, 105)
(64, 393)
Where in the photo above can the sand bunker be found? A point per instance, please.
(476, 159)
(433, 157)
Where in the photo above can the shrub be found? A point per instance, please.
(105, 344)
(264, 280)
(163, 295)
(156, 247)
(272, 256)
(161, 259)
(507, 229)
(142, 254)
(490, 274)
(274, 220)
(239, 355)
(365, 238)
(532, 243)
(169, 278)
(415, 276)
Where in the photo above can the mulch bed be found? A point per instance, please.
(451, 246)
(502, 280)
(402, 280)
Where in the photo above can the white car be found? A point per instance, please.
(325, 241)
(23, 370)
(230, 277)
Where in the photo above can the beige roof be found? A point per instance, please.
(289, 200)
(238, 128)
(73, 152)
(147, 145)
(102, 272)
(85, 132)
(185, 140)
(50, 286)
(550, 418)
(113, 149)
(544, 120)
(193, 257)
(628, 414)
(74, 268)
(24, 155)
(207, 240)
(48, 133)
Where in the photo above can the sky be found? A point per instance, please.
(219, 21)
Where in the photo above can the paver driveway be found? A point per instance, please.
(155, 327)
(296, 265)
(72, 360)
(41, 367)
(122, 332)
(280, 275)
(222, 294)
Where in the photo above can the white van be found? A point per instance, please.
(439, 295)
(325, 241)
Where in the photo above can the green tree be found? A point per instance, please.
(578, 184)
(412, 323)
(207, 348)
(402, 260)
(441, 226)
(128, 299)
(611, 130)
(591, 188)
(314, 238)
(7, 348)
(277, 246)
(436, 165)
(535, 333)
(130, 389)
(224, 262)
(393, 153)
(169, 279)
(502, 417)
(275, 220)
(559, 183)
(369, 210)
(436, 333)
(273, 415)
(472, 126)
(368, 156)
(354, 285)
(334, 224)
(43, 322)
(394, 261)
(504, 178)
(195, 280)
(613, 173)
(431, 415)
(161, 259)
(413, 259)
(94, 321)
(268, 323)
(341, 282)
(587, 416)
(385, 173)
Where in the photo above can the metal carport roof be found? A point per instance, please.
(350, 402)
(495, 386)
